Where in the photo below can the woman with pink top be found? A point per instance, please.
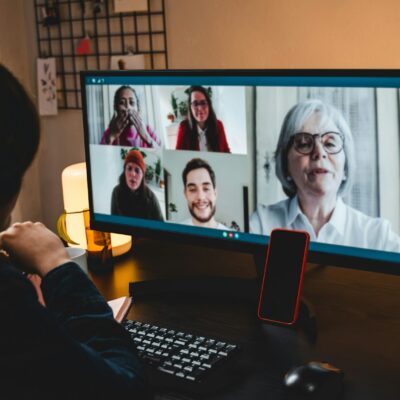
(127, 127)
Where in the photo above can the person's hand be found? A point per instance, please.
(137, 122)
(119, 122)
(33, 247)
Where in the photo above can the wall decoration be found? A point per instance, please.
(83, 46)
(50, 13)
(111, 35)
(97, 6)
(46, 84)
(126, 62)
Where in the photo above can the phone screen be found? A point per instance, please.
(280, 290)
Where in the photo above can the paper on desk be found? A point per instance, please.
(120, 307)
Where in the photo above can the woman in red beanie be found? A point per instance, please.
(132, 197)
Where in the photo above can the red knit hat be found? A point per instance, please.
(136, 157)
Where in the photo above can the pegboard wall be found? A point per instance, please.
(62, 24)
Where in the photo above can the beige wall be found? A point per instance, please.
(284, 33)
(214, 34)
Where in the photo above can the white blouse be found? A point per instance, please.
(347, 226)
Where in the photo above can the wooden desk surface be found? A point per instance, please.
(358, 318)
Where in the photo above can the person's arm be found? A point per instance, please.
(84, 314)
(155, 140)
(222, 141)
(75, 340)
(119, 122)
(114, 202)
(154, 207)
(148, 137)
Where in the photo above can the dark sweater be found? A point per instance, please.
(73, 349)
(142, 203)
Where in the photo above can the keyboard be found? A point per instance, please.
(179, 359)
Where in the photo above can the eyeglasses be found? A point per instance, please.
(200, 103)
(304, 142)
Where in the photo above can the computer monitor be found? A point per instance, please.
(221, 157)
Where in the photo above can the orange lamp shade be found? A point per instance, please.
(76, 200)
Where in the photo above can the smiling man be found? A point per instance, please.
(201, 194)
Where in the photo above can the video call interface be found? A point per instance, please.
(213, 157)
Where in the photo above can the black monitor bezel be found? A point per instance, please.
(339, 260)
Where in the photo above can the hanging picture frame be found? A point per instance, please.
(127, 62)
(46, 86)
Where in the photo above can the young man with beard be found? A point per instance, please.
(201, 194)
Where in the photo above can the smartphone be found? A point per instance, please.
(283, 275)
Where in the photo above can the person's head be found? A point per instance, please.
(126, 100)
(199, 106)
(201, 113)
(200, 189)
(315, 152)
(200, 109)
(134, 170)
(19, 140)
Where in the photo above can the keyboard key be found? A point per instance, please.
(194, 375)
(212, 361)
(167, 370)
(182, 355)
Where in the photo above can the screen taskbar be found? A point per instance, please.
(241, 237)
(315, 81)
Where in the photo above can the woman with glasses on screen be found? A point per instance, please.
(132, 197)
(127, 127)
(315, 165)
(201, 130)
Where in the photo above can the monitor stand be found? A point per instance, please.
(225, 287)
(212, 286)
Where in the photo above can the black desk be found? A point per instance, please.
(358, 319)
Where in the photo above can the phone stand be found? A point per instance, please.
(306, 322)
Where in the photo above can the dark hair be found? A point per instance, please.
(211, 123)
(118, 93)
(125, 194)
(19, 134)
(197, 163)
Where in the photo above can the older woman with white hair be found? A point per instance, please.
(315, 164)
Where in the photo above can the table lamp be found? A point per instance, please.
(73, 225)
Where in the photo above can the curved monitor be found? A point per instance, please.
(223, 157)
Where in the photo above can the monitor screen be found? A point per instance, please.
(224, 157)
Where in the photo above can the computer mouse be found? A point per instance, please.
(315, 378)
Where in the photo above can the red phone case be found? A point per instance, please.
(303, 264)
